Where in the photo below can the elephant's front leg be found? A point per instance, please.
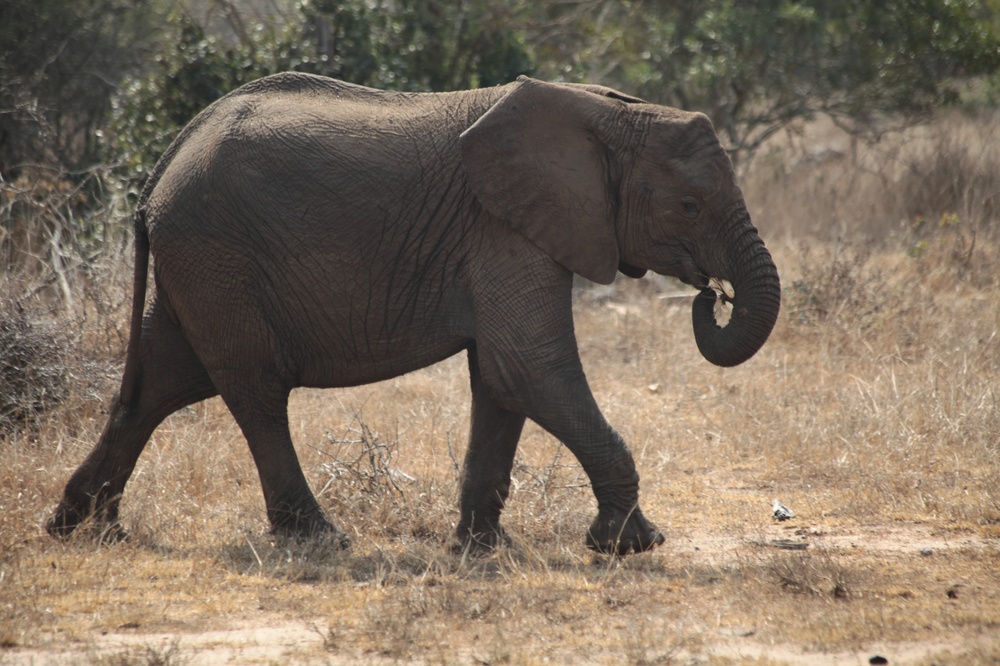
(528, 364)
(488, 462)
(543, 379)
(567, 409)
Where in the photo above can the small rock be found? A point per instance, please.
(780, 512)
(926, 552)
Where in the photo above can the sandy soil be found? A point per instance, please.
(268, 638)
(277, 640)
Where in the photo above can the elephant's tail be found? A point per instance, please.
(130, 378)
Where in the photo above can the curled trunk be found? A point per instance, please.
(755, 307)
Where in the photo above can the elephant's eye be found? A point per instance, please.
(690, 206)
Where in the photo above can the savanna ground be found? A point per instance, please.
(872, 412)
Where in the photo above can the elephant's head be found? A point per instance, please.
(603, 182)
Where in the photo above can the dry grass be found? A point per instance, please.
(872, 412)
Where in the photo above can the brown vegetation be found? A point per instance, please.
(872, 412)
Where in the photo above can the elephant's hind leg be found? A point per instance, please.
(262, 414)
(170, 377)
(488, 463)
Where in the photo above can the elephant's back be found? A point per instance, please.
(298, 138)
(329, 90)
(299, 82)
(293, 112)
(298, 103)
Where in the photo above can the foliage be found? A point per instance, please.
(60, 62)
(150, 109)
(755, 67)
(32, 373)
(418, 45)
(403, 45)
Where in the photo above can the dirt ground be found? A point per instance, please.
(265, 636)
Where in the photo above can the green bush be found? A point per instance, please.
(151, 108)
(60, 62)
(411, 45)
(758, 67)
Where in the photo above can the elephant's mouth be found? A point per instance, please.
(630, 270)
(696, 281)
(691, 273)
(695, 277)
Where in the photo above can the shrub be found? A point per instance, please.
(60, 62)
(392, 45)
(32, 370)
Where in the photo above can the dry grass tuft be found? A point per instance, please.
(148, 655)
(872, 412)
(32, 379)
(814, 573)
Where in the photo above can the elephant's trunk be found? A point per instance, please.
(755, 306)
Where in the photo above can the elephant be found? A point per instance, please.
(307, 232)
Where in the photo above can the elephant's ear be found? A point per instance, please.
(535, 161)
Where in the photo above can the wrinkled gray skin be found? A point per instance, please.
(308, 232)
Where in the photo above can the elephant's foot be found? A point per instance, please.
(65, 520)
(110, 533)
(330, 538)
(97, 513)
(481, 539)
(306, 525)
(623, 533)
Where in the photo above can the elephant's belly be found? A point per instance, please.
(353, 367)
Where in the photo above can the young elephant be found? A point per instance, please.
(309, 232)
